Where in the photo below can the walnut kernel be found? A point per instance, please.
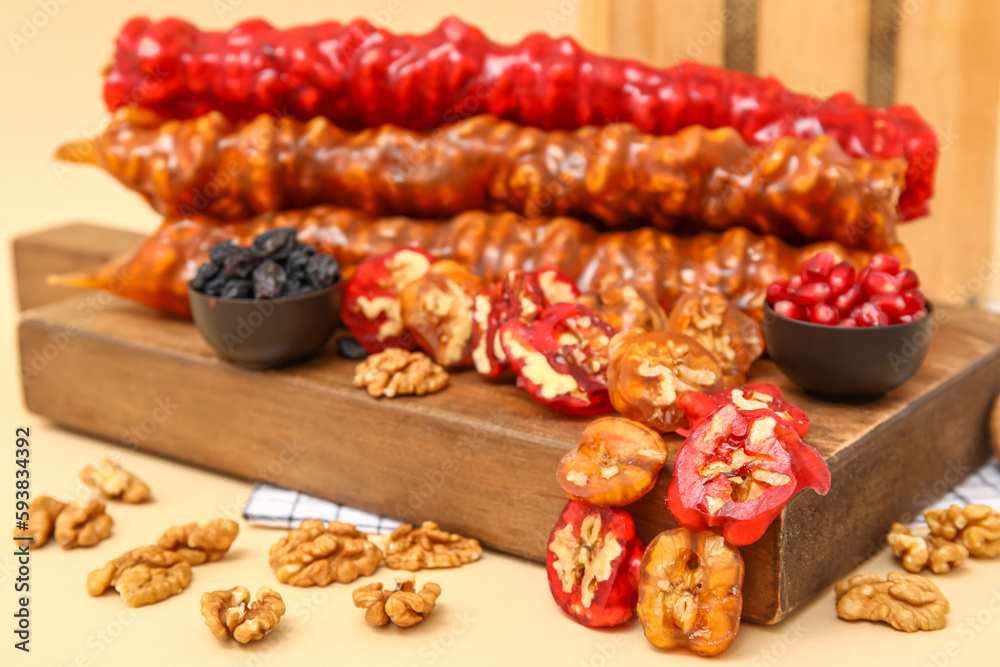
(231, 614)
(114, 482)
(916, 553)
(142, 584)
(403, 605)
(42, 514)
(976, 527)
(82, 524)
(395, 372)
(314, 555)
(907, 602)
(200, 541)
(428, 546)
(101, 579)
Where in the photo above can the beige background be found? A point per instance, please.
(497, 611)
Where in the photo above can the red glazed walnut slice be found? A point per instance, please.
(438, 309)
(648, 372)
(615, 463)
(627, 306)
(317, 555)
(691, 591)
(722, 328)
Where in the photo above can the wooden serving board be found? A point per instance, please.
(480, 457)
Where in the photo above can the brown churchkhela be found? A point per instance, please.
(737, 263)
(801, 190)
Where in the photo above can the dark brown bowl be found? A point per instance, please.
(267, 333)
(844, 361)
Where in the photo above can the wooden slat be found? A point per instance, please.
(818, 47)
(948, 64)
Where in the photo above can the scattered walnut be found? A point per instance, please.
(114, 482)
(82, 524)
(995, 428)
(410, 548)
(977, 527)
(42, 513)
(200, 541)
(142, 584)
(314, 555)
(907, 602)
(231, 614)
(396, 372)
(403, 606)
(99, 580)
(932, 552)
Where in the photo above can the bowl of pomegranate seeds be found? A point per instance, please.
(838, 332)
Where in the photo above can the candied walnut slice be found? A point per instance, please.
(409, 548)
(615, 463)
(114, 482)
(231, 613)
(404, 606)
(82, 524)
(907, 602)
(691, 591)
(722, 328)
(626, 306)
(317, 555)
(42, 514)
(935, 553)
(200, 541)
(976, 527)
(396, 372)
(438, 310)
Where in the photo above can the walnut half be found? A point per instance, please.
(410, 548)
(200, 541)
(314, 555)
(42, 514)
(231, 614)
(142, 584)
(82, 524)
(916, 553)
(395, 372)
(403, 606)
(907, 602)
(114, 482)
(976, 527)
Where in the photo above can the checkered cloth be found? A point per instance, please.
(281, 508)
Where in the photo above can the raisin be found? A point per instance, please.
(349, 348)
(214, 286)
(276, 244)
(206, 271)
(241, 262)
(268, 280)
(323, 271)
(237, 289)
(221, 250)
(296, 263)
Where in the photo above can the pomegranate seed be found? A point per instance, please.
(849, 300)
(776, 291)
(841, 278)
(880, 282)
(903, 319)
(817, 268)
(863, 275)
(908, 280)
(793, 287)
(887, 263)
(869, 315)
(813, 293)
(790, 310)
(892, 305)
(824, 313)
(914, 300)
(847, 322)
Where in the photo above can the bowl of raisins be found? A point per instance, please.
(838, 332)
(269, 304)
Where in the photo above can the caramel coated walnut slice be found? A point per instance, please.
(410, 548)
(907, 602)
(82, 524)
(916, 553)
(200, 541)
(314, 555)
(42, 514)
(976, 527)
(142, 584)
(403, 605)
(231, 614)
(395, 372)
(114, 482)
(101, 579)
